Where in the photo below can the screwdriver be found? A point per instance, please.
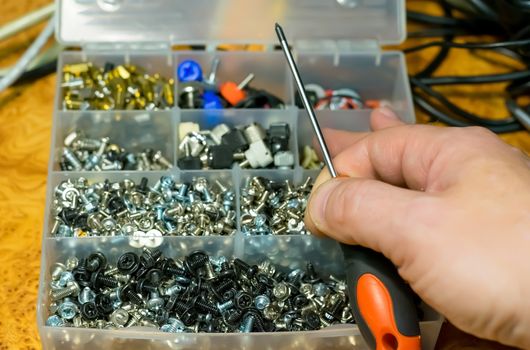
(381, 302)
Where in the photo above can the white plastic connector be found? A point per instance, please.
(186, 128)
(284, 160)
(258, 155)
(218, 132)
(254, 133)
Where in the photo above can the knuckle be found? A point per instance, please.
(479, 132)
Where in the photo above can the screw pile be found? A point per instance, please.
(269, 207)
(128, 209)
(198, 293)
(81, 153)
(88, 87)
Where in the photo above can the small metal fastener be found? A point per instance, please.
(261, 302)
(173, 326)
(86, 295)
(67, 310)
(119, 317)
(56, 270)
(55, 321)
(72, 289)
(281, 291)
(248, 323)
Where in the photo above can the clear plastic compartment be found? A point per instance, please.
(150, 62)
(374, 76)
(134, 131)
(287, 252)
(269, 68)
(208, 119)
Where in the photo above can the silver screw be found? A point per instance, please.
(56, 270)
(119, 317)
(66, 276)
(67, 310)
(160, 159)
(247, 324)
(55, 321)
(225, 306)
(86, 295)
(173, 326)
(71, 289)
(261, 302)
(71, 158)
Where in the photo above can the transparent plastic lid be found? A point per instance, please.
(83, 22)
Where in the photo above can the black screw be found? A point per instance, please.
(311, 276)
(182, 306)
(144, 287)
(188, 318)
(233, 316)
(115, 205)
(81, 275)
(333, 313)
(194, 261)
(229, 294)
(89, 311)
(206, 307)
(263, 284)
(245, 268)
(312, 320)
(169, 267)
(127, 294)
(103, 304)
(142, 186)
(100, 281)
(154, 276)
(300, 301)
(149, 258)
(68, 215)
(128, 263)
(243, 300)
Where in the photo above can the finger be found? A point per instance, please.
(337, 140)
(384, 117)
(402, 156)
(366, 212)
(323, 177)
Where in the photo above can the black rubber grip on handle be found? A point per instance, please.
(361, 261)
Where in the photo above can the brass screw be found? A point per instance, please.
(87, 87)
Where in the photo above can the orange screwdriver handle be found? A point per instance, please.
(381, 301)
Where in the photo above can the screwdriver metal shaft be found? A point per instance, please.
(305, 100)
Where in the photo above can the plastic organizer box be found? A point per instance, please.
(337, 45)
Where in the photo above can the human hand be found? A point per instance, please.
(450, 207)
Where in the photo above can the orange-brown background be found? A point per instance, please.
(25, 124)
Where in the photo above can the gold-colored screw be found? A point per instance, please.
(87, 87)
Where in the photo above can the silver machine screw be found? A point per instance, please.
(72, 289)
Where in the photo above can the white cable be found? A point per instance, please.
(41, 59)
(27, 21)
(26, 58)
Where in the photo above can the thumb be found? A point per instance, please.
(366, 212)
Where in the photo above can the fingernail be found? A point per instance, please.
(319, 202)
(387, 113)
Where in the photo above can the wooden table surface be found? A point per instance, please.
(26, 114)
